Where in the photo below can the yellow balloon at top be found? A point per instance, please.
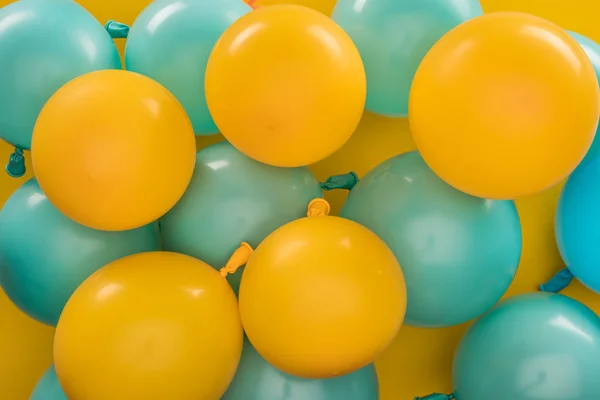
(285, 85)
(324, 6)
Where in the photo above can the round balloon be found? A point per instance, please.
(44, 256)
(533, 346)
(113, 150)
(148, 326)
(324, 6)
(233, 199)
(45, 44)
(322, 288)
(393, 37)
(256, 379)
(48, 387)
(458, 253)
(170, 42)
(294, 106)
(510, 114)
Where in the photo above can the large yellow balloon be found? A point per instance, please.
(113, 150)
(504, 105)
(285, 85)
(151, 326)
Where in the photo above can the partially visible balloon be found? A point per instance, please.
(324, 6)
(393, 37)
(48, 387)
(458, 253)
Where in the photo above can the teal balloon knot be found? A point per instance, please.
(558, 282)
(437, 396)
(344, 181)
(117, 30)
(16, 164)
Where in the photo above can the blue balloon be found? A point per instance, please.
(48, 387)
(538, 346)
(44, 256)
(393, 36)
(458, 253)
(171, 41)
(258, 380)
(232, 199)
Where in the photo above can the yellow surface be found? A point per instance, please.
(419, 361)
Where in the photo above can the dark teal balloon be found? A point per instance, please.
(43, 45)
(538, 346)
(171, 41)
(48, 387)
(458, 253)
(44, 256)
(258, 380)
(232, 199)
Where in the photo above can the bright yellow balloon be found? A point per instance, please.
(324, 6)
(113, 150)
(322, 296)
(151, 326)
(504, 105)
(286, 85)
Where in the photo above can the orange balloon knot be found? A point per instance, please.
(318, 207)
(238, 259)
(251, 3)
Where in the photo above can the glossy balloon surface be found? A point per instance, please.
(233, 199)
(48, 387)
(458, 253)
(530, 347)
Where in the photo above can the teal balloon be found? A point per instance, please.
(43, 45)
(393, 36)
(258, 380)
(171, 41)
(232, 199)
(537, 346)
(458, 253)
(48, 387)
(44, 256)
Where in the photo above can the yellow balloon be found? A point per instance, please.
(113, 150)
(285, 85)
(151, 326)
(324, 6)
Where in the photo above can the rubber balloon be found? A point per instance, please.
(497, 119)
(44, 256)
(170, 42)
(48, 387)
(458, 253)
(324, 6)
(103, 153)
(231, 199)
(294, 106)
(148, 326)
(393, 37)
(258, 380)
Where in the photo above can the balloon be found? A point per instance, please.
(170, 42)
(393, 37)
(48, 387)
(150, 326)
(533, 346)
(44, 256)
(294, 106)
(504, 105)
(113, 150)
(231, 199)
(458, 253)
(322, 288)
(324, 6)
(258, 380)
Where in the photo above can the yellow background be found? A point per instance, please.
(419, 361)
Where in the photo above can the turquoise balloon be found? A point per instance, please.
(44, 256)
(48, 387)
(458, 253)
(232, 199)
(393, 36)
(258, 380)
(538, 346)
(43, 45)
(171, 41)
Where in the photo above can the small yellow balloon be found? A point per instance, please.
(113, 150)
(324, 6)
(151, 326)
(285, 85)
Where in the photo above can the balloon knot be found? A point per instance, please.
(558, 282)
(15, 167)
(344, 181)
(318, 207)
(238, 259)
(117, 30)
(437, 396)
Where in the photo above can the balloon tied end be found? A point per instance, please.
(558, 282)
(318, 207)
(117, 30)
(238, 259)
(437, 396)
(344, 181)
(16, 164)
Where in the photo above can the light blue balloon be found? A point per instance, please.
(48, 387)
(393, 36)
(538, 346)
(44, 256)
(232, 199)
(171, 41)
(258, 380)
(458, 253)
